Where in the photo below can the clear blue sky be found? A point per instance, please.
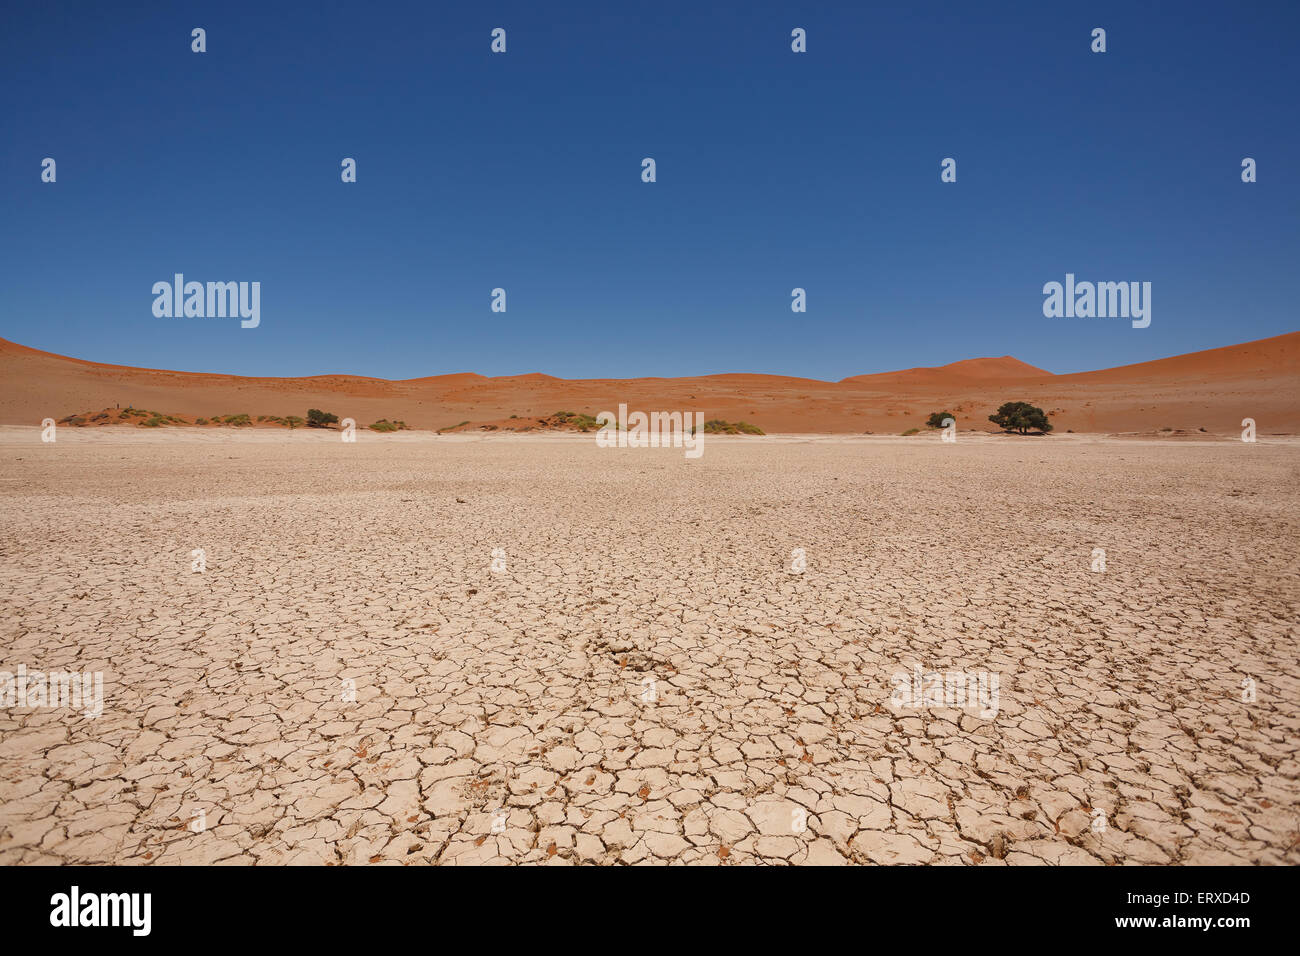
(522, 170)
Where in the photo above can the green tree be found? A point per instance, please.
(318, 419)
(1021, 417)
(936, 419)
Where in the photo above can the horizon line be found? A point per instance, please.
(667, 378)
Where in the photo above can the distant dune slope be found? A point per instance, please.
(1004, 369)
(1212, 390)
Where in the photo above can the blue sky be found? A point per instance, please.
(775, 170)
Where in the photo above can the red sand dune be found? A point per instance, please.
(1212, 390)
(1004, 369)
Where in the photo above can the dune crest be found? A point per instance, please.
(1206, 392)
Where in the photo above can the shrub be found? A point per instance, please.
(716, 426)
(911, 431)
(1021, 417)
(318, 419)
(936, 419)
(293, 421)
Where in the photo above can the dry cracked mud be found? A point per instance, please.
(643, 678)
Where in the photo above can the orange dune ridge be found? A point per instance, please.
(1207, 392)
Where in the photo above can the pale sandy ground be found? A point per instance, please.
(1119, 691)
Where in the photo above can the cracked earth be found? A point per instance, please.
(643, 678)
